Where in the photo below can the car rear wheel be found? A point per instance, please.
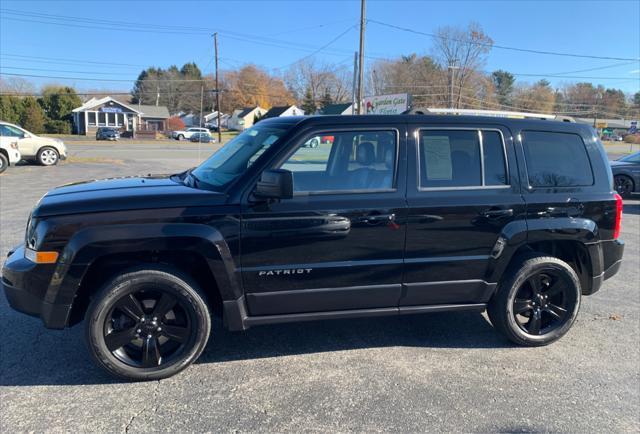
(48, 156)
(4, 162)
(147, 324)
(537, 302)
(180, 137)
(624, 185)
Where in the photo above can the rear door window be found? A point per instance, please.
(556, 159)
(462, 158)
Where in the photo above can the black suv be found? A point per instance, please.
(395, 215)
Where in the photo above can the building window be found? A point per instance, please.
(102, 119)
(91, 116)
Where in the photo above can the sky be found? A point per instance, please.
(79, 38)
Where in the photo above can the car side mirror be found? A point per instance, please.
(275, 184)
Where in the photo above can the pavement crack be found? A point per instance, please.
(153, 408)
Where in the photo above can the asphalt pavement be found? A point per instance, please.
(435, 372)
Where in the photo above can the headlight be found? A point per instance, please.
(30, 236)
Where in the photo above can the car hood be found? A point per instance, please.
(118, 194)
(616, 163)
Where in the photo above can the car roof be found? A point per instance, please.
(373, 120)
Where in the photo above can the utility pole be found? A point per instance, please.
(354, 105)
(201, 98)
(452, 69)
(157, 95)
(361, 62)
(215, 46)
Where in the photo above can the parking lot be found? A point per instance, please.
(437, 372)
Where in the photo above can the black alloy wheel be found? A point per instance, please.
(623, 184)
(537, 301)
(541, 303)
(147, 323)
(148, 327)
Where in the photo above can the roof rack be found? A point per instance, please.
(490, 113)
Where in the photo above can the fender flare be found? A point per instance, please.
(88, 245)
(519, 233)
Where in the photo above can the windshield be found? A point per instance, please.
(237, 155)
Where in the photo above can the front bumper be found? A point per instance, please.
(14, 156)
(25, 285)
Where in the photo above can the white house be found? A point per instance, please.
(290, 110)
(211, 120)
(242, 119)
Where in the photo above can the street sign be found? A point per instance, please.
(602, 125)
(386, 104)
(634, 127)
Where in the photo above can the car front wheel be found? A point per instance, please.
(48, 156)
(537, 302)
(147, 324)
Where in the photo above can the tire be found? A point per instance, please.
(121, 325)
(48, 156)
(624, 185)
(180, 137)
(539, 308)
(4, 162)
(314, 143)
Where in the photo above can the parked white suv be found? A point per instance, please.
(186, 134)
(44, 150)
(9, 154)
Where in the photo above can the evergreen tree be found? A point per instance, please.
(326, 99)
(308, 103)
(32, 117)
(503, 82)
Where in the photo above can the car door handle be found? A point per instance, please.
(377, 218)
(494, 213)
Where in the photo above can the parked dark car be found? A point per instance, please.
(202, 138)
(626, 174)
(399, 215)
(106, 133)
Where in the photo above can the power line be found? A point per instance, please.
(100, 79)
(348, 29)
(502, 47)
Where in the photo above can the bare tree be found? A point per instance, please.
(464, 49)
(17, 86)
(318, 78)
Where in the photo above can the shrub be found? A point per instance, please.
(632, 138)
(175, 123)
(57, 127)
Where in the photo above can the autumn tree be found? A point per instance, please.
(539, 97)
(419, 76)
(251, 86)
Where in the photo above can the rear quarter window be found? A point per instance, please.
(556, 159)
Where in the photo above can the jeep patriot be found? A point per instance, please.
(386, 215)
